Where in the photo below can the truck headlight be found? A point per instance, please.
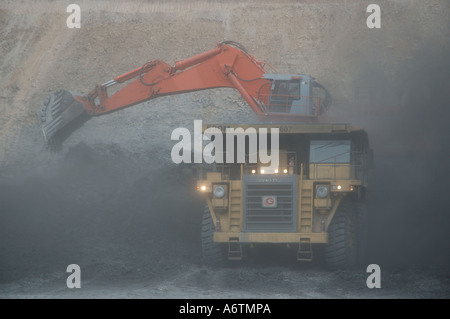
(322, 191)
(219, 191)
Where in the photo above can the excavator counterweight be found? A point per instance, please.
(271, 96)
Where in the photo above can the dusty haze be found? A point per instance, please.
(113, 202)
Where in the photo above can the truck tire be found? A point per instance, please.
(341, 250)
(211, 251)
(362, 217)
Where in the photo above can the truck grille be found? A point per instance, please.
(280, 217)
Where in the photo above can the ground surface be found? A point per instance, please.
(112, 201)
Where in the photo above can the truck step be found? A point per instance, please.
(304, 252)
(234, 249)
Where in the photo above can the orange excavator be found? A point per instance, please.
(272, 96)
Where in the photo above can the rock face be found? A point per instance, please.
(364, 69)
(113, 200)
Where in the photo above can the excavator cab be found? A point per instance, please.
(290, 94)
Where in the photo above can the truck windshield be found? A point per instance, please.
(330, 151)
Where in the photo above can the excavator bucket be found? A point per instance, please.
(60, 115)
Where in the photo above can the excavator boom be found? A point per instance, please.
(229, 65)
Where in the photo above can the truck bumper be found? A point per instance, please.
(274, 238)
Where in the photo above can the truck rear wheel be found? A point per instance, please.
(212, 251)
(341, 251)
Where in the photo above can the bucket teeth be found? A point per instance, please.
(59, 113)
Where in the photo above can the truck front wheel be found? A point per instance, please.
(342, 248)
(212, 251)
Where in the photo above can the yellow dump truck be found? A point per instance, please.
(315, 197)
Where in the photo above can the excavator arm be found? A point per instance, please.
(216, 68)
(228, 65)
